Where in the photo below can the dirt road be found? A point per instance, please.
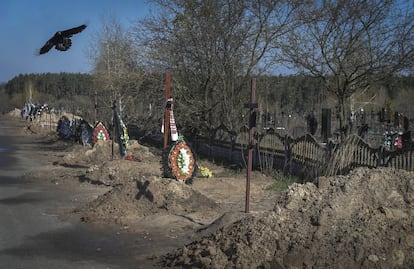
(35, 229)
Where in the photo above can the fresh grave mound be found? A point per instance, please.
(16, 113)
(82, 155)
(362, 220)
(102, 151)
(118, 172)
(147, 195)
(43, 124)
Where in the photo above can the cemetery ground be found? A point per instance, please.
(360, 220)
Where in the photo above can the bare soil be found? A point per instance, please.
(361, 220)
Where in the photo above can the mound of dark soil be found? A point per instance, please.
(147, 196)
(363, 220)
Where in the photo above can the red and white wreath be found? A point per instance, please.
(100, 133)
(181, 160)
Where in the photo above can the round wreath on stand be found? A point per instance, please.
(181, 163)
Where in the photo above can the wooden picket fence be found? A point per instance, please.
(304, 156)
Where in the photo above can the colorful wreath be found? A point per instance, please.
(123, 136)
(100, 133)
(181, 161)
(121, 133)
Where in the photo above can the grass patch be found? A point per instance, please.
(282, 182)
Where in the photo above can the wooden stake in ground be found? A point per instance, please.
(167, 110)
(252, 106)
(166, 124)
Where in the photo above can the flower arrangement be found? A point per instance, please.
(181, 160)
(100, 133)
(124, 136)
(204, 171)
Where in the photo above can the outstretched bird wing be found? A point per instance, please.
(56, 38)
(72, 31)
(48, 45)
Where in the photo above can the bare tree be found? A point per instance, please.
(213, 48)
(116, 71)
(351, 43)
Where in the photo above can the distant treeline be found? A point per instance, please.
(290, 89)
(59, 85)
(276, 94)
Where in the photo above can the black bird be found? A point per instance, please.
(61, 39)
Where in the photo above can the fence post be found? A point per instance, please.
(380, 161)
(328, 154)
(326, 124)
(288, 155)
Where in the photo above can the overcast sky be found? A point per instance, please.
(25, 25)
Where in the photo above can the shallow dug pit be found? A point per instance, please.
(148, 195)
(363, 220)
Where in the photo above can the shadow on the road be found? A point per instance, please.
(78, 243)
(5, 180)
(25, 198)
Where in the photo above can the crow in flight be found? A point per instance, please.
(61, 39)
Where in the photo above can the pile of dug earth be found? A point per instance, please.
(362, 220)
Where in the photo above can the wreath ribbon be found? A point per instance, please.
(173, 126)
